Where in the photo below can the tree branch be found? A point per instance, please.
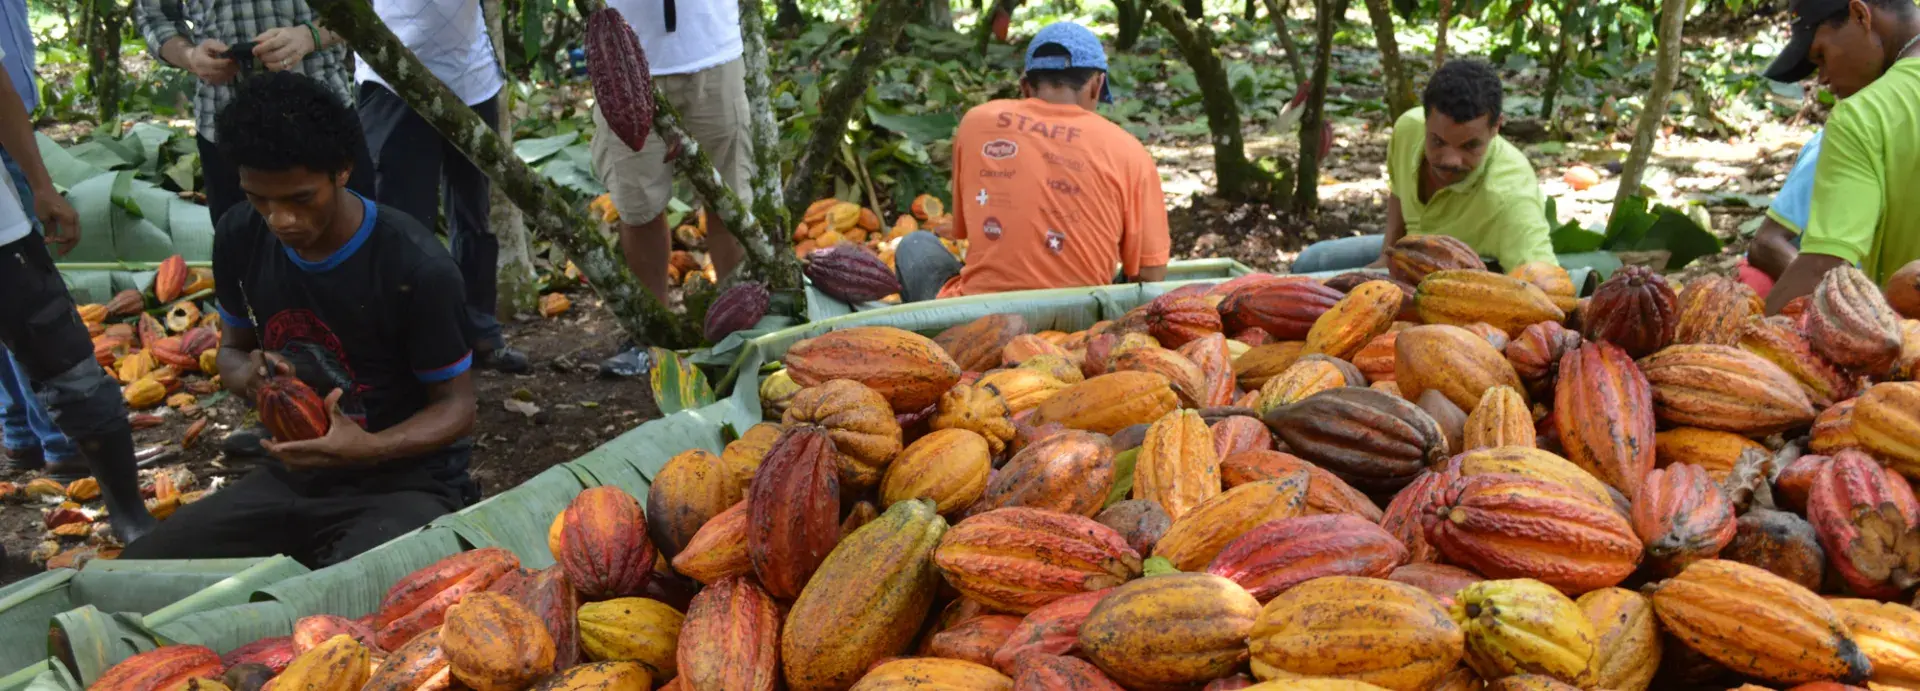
(1673, 18)
(1306, 192)
(1399, 86)
(768, 198)
(885, 20)
(1238, 178)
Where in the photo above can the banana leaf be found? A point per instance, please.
(518, 519)
(233, 590)
(144, 586)
(45, 675)
(226, 628)
(25, 607)
(677, 384)
(353, 588)
(89, 641)
(123, 220)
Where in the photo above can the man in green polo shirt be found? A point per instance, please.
(1451, 173)
(1866, 190)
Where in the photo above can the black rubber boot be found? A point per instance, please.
(111, 458)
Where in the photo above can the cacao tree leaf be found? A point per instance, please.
(677, 384)
(919, 128)
(533, 151)
(1122, 476)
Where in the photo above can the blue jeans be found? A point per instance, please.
(1338, 254)
(23, 418)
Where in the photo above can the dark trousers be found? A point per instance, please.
(418, 172)
(39, 325)
(222, 178)
(271, 511)
(923, 265)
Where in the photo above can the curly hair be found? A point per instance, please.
(1464, 90)
(281, 120)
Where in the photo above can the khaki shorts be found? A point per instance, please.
(713, 108)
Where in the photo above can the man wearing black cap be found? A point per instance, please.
(1864, 209)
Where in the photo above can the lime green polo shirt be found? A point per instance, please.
(1866, 193)
(1498, 210)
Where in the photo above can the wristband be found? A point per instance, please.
(317, 45)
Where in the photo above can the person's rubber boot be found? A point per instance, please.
(111, 458)
(504, 359)
(23, 460)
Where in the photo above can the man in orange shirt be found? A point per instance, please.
(1048, 193)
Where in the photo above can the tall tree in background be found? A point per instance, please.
(1236, 177)
(101, 24)
(1440, 34)
(1306, 193)
(885, 20)
(519, 284)
(1132, 21)
(1399, 85)
(1277, 13)
(1567, 27)
(768, 198)
(1673, 18)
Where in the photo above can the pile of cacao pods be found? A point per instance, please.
(1445, 478)
(76, 528)
(849, 258)
(151, 342)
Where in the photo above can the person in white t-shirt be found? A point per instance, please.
(693, 50)
(417, 171)
(41, 326)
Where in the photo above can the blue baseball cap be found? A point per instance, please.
(1083, 50)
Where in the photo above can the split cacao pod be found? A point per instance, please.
(1018, 559)
(1197, 537)
(1326, 492)
(1364, 313)
(1758, 624)
(910, 674)
(1524, 626)
(1210, 354)
(1635, 309)
(736, 309)
(291, 410)
(1176, 630)
(1285, 307)
(1138, 521)
(976, 345)
(730, 639)
(1109, 403)
(492, 644)
(1281, 554)
(866, 602)
(793, 510)
(850, 273)
(1511, 526)
(1886, 420)
(165, 667)
(948, 466)
(1536, 353)
(1782, 543)
(1388, 634)
(1501, 419)
(604, 547)
(689, 490)
(1252, 369)
(1682, 517)
(420, 600)
(1463, 297)
(1053, 629)
(1551, 279)
(632, 628)
(1889, 635)
(1714, 310)
(1626, 650)
(1451, 360)
(1173, 320)
(978, 409)
(622, 84)
(1724, 388)
(1070, 472)
(1851, 324)
(1053, 672)
(1176, 467)
(865, 434)
(908, 369)
(1372, 440)
(1603, 412)
(1866, 517)
(1414, 256)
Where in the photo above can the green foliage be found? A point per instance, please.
(1637, 225)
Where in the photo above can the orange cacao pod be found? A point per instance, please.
(1551, 279)
(1070, 472)
(165, 667)
(170, 278)
(689, 490)
(1889, 635)
(1025, 389)
(1464, 297)
(291, 410)
(1439, 580)
(309, 632)
(1451, 360)
(908, 674)
(492, 643)
(1510, 526)
(418, 664)
(1252, 369)
(1907, 366)
(1635, 310)
(552, 599)
(867, 601)
(1053, 672)
(909, 370)
(1501, 419)
(1415, 256)
(1886, 420)
(1239, 433)
(1603, 412)
(1724, 388)
(419, 601)
(1388, 634)
(1375, 360)
(1052, 629)
(1536, 352)
(1866, 518)
(1193, 540)
(1024, 347)
(1405, 513)
(976, 345)
(1109, 403)
(604, 548)
(730, 640)
(719, 549)
(1626, 650)
(1326, 492)
(1305, 378)
(1281, 554)
(1188, 382)
(1850, 322)
(865, 434)
(1714, 310)
(978, 409)
(1138, 521)
(1718, 607)
(1176, 630)
(1176, 467)
(1285, 307)
(1209, 353)
(1833, 428)
(1017, 559)
(1364, 313)
(1780, 342)
(974, 640)
(1174, 320)
(1903, 290)
(1682, 517)
(793, 510)
(1715, 452)
(949, 466)
(1370, 439)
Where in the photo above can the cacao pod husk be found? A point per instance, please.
(1052, 629)
(793, 510)
(1175, 630)
(492, 643)
(1441, 581)
(1018, 559)
(1211, 355)
(910, 674)
(1889, 635)
(1501, 419)
(1370, 630)
(1109, 402)
(1174, 319)
(1758, 624)
(1364, 313)
(866, 602)
(1627, 645)
(1053, 672)
(1866, 517)
(1252, 369)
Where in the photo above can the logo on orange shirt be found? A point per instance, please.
(1000, 149)
(991, 228)
(1056, 240)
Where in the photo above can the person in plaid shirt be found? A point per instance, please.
(284, 36)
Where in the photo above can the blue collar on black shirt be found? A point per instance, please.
(340, 255)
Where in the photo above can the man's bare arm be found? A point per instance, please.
(1800, 278)
(1773, 249)
(1151, 274)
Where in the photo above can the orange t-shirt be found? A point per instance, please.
(1051, 196)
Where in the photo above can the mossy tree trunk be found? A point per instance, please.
(1306, 193)
(1673, 19)
(790, 17)
(768, 200)
(885, 20)
(1440, 34)
(518, 283)
(1399, 86)
(1132, 21)
(102, 22)
(1238, 179)
(1277, 13)
(1557, 65)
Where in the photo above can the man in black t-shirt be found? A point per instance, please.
(359, 301)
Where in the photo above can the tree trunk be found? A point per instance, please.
(1673, 18)
(1238, 178)
(1132, 20)
(518, 283)
(790, 15)
(768, 202)
(1557, 65)
(1306, 193)
(1196, 9)
(983, 26)
(1440, 34)
(1277, 13)
(1252, 10)
(547, 212)
(106, 20)
(1399, 88)
(885, 20)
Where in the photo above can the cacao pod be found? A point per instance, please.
(1138, 521)
(1211, 355)
(1907, 366)
(866, 602)
(270, 653)
(1364, 313)
(730, 639)
(1023, 347)
(1451, 360)
(1524, 626)
(1024, 389)
(1850, 323)
(1635, 309)
(1551, 279)
(1627, 649)
(1053, 672)
(719, 549)
(342, 664)
(1388, 634)
(1305, 378)
(418, 664)
(1176, 467)
(949, 466)
(1714, 310)
(793, 510)
(689, 490)
(978, 409)
(1886, 420)
(309, 632)
(169, 278)
(976, 345)
(165, 667)
(606, 676)
(1603, 413)
(1724, 388)
(1240, 433)
(1462, 297)
(1511, 526)
(863, 429)
(1281, 554)
(1758, 624)
(632, 628)
(1781, 543)
(1777, 340)
(736, 309)
(1175, 630)
(1889, 635)
(1326, 492)
(909, 674)
(908, 369)
(973, 640)
(1451, 419)
(1109, 402)
(1285, 307)
(850, 273)
(291, 410)
(617, 68)
(1414, 256)
(1252, 369)
(1682, 517)
(1018, 559)
(1052, 629)
(1375, 360)
(1188, 382)
(1501, 419)
(1197, 537)
(1405, 513)
(1903, 290)
(604, 548)
(420, 600)
(1536, 353)
(1833, 428)
(494, 644)
(1370, 439)
(1441, 581)
(1070, 472)
(1715, 452)
(1174, 320)
(126, 303)
(1866, 517)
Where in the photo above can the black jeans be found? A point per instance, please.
(39, 324)
(923, 265)
(222, 178)
(417, 172)
(272, 511)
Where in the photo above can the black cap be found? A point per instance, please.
(1792, 65)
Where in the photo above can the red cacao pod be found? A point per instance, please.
(1682, 517)
(166, 667)
(309, 632)
(974, 640)
(1018, 559)
(1439, 580)
(273, 653)
(1603, 415)
(1415, 256)
(793, 510)
(1056, 673)
(1536, 354)
(291, 410)
(1635, 310)
(1174, 320)
(419, 601)
(1240, 433)
(736, 309)
(730, 640)
(1070, 472)
(1866, 516)
(1406, 512)
(1284, 307)
(1509, 526)
(849, 273)
(550, 596)
(977, 345)
(1051, 629)
(604, 548)
(1281, 554)
(622, 83)
(1326, 492)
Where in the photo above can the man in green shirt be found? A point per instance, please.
(1451, 173)
(1865, 210)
